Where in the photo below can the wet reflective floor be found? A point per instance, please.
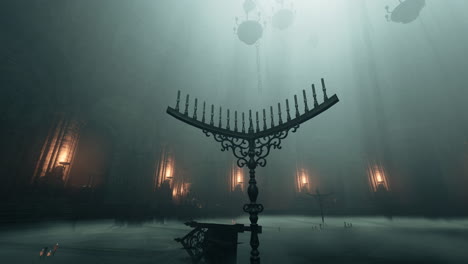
(285, 239)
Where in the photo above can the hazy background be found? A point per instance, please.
(402, 88)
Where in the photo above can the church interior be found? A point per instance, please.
(286, 131)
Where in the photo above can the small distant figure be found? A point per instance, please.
(348, 225)
(46, 252)
(43, 252)
(279, 229)
(55, 249)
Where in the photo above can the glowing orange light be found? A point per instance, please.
(180, 190)
(168, 172)
(239, 178)
(379, 177)
(236, 178)
(303, 180)
(63, 156)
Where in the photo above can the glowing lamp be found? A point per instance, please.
(250, 31)
(378, 177)
(302, 181)
(63, 155)
(239, 178)
(168, 172)
(236, 178)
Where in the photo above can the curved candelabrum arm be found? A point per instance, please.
(292, 124)
(264, 145)
(263, 140)
(238, 146)
(204, 126)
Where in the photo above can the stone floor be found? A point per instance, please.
(285, 239)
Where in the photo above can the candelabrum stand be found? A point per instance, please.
(252, 146)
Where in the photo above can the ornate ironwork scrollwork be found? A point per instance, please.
(253, 208)
(194, 243)
(239, 146)
(263, 145)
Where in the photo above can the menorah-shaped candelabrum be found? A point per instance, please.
(252, 146)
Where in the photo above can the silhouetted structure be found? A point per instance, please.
(320, 198)
(252, 147)
(215, 243)
(407, 11)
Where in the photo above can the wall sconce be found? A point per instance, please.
(236, 178)
(378, 178)
(169, 170)
(165, 169)
(302, 181)
(239, 179)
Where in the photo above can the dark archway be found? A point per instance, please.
(93, 159)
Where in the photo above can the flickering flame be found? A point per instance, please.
(180, 190)
(304, 179)
(236, 178)
(379, 177)
(63, 156)
(239, 178)
(168, 171)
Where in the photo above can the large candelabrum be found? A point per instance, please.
(252, 146)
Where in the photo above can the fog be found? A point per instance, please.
(402, 89)
(286, 240)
